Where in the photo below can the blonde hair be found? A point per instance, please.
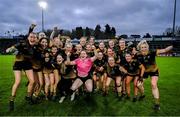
(68, 45)
(141, 43)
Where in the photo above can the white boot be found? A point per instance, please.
(62, 99)
(73, 96)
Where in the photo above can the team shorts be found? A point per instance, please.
(84, 79)
(147, 74)
(22, 65)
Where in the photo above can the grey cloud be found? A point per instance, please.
(129, 17)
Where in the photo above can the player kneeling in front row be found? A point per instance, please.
(99, 72)
(113, 73)
(134, 70)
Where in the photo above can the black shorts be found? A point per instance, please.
(147, 74)
(37, 70)
(113, 77)
(22, 65)
(84, 79)
(133, 75)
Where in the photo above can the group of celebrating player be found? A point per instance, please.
(54, 66)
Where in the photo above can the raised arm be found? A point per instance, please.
(167, 49)
(11, 49)
(95, 56)
(31, 28)
(53, 33)
(68, 62)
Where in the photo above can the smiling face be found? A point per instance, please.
(101, 46)
(111, 44)
(83, 55)
(128, 57)
(110, 52)
(47, 58)
(32, 38)
(91, 40)
(54, 50)
(144, 48)
(59, 59)
(78, 48)
(57, 42)
(68, 47)
(100, 55)
(88, 47)
(44, 43)
(111, 61)
(122, 44)
(83, 41)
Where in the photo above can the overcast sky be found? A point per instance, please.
(127, 16)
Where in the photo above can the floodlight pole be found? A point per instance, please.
(42, 20)
(174, 19)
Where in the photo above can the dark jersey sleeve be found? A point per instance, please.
(153, 52)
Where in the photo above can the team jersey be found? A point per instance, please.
(47, 63)
(149, 60)
(69, 68)
(25, 51)
(90, 54)
(113, 71)
(132, 67)
(121, 54)
(103, 51)
(99, 63)
(65, 71)
(83, 66)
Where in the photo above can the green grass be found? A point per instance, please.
(169, 86)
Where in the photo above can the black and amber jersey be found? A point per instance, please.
(121, 55)
(65, 71)
(64, 55)
(113, 71)
(132, 67)
(148, 60)
(24, 51)
(99, 63)
(48, 63)
(61, 67)
(69, 68)
(38, 53)
(90, 54)
(103, 51)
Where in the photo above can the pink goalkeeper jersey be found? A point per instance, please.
(83, 66)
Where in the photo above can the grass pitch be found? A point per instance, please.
(169, 87)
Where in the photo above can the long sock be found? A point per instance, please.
(51, 94)
(156, 101)
(29, 94)
(106, 89)
(54, 93)
(12, 98)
